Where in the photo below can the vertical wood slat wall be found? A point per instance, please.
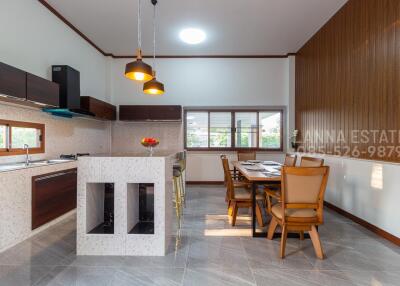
(348, 78)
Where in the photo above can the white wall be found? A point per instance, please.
(33, 39)
(209, 82)
(202, 82)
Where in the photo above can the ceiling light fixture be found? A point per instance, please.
(192, 36)
(139, 70)
(153, 86)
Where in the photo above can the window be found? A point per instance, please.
(220, 129)
(197, 129)
(14, 135)
(246, 129)
(3, 129)
(270, 129)
(234, 129)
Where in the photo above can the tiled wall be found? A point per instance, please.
(63, 135)
(126, 136)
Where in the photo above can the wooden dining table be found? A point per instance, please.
(269, 172)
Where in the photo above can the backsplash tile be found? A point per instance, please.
(63, 135)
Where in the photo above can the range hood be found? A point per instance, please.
(70, 93)
(68, 112)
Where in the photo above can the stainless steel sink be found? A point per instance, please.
(17, 166)
(10, 167)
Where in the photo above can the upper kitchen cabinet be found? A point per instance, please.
(101, 109)
(42, 91)
(12, 83)
(150, 113)
(23, 88)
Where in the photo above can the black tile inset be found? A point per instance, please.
(143, 227)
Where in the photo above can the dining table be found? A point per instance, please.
(258, 173)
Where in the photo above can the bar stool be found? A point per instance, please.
(177, 193)
(181, 168)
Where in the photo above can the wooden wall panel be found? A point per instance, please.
(348, 83)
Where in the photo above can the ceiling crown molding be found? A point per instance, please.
(106, 54)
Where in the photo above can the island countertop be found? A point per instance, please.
(141, 154)
(123, 175)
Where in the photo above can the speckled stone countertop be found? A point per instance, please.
(16, 202)
(126, 171)
(34, 164)
(142, 154)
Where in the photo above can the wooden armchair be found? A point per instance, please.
(238, 196)
(311, 162)
(274, 191)
(301, 209)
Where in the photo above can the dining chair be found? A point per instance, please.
(311, 162)
(301, 209)
(238, 181)
(274, 191)
(290, 160)
(238, 196)
(246, 155)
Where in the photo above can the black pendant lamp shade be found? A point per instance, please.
(153, 87)
(138, 70)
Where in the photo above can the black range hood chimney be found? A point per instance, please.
(70, 93)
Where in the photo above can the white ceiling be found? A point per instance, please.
(233, 27)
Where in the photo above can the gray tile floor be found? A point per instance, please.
(208, 251)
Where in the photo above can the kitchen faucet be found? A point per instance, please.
(26, 147)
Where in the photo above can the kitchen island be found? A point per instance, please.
(124, 204)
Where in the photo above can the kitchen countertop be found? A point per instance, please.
(143, 154)
(33, 164)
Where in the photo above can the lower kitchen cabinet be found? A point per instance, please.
(53, 195)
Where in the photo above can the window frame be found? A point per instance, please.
(233, 111)
(9, 151)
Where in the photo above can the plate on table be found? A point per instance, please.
(254, 161)
(247, 163)
(271, 163)
(254, 169)
(272, 174)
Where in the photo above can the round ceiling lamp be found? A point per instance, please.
(139, 70)
(192, 36)
(154, 87)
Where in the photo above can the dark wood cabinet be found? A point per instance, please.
(150, 113)
(12, 82)
(42, 91)
(23, 88)
(53, 195)
(101, 109)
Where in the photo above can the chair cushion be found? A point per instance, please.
(178, 168)
(242, 194)
(176, 173)
(292, 213)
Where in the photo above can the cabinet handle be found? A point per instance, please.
(54, 175)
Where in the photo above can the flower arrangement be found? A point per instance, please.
(293, 138)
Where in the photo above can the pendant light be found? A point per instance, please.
(139, 70)
(153, 86)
